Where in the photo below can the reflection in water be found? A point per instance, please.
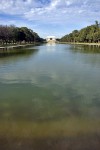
(18, 51)
(13, 57)
(85, 49)
(50, 47)
(91, 54)
(50, 101)
(51, 44)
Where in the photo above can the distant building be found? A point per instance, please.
(51, 39)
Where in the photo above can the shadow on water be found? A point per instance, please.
(88, 49)
(19, 51)
(7, 58)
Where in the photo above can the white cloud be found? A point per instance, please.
(55, 12)
(54, 4)
(65, 9)
(32, 9)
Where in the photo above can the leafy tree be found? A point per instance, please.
(87, 34)
(12, 34)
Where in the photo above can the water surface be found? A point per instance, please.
(50, 99)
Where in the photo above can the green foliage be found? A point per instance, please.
(12, 34)
(89, 34)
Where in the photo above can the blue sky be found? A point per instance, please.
(50, 17)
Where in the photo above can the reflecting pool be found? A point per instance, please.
(50, 98)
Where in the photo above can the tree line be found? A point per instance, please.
(89, 34)
(13, 35)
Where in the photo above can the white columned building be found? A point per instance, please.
(51, 39)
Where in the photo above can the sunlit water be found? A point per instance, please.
(50, 99)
